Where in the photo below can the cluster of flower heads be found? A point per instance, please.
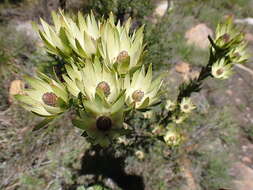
(104, 78)
(185, 107)
(230, 42)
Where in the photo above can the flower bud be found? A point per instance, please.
(140, 154)
(105, 88)
(178, 118)
(172, 138)
(170, 106)
(239, 54)
(123, 55)
(186, 105)
(148, 114)
(138, 95)
(104, 123)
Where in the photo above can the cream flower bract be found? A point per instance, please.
(72, 78)
(140, 154)
(141, 91)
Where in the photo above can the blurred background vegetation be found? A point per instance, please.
(219, 135)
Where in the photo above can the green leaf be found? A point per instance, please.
(65, 40)
(49, 45)
(44, 77)
(60, 92)
(144, 104)
(78, 123)
(43, 123)
(56, 21)
(80, 49)
(25, 99)
(37, 83)
(85, 123)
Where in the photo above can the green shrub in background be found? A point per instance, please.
(122, 8)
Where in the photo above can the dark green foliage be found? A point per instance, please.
(11, 1)
(137, 9)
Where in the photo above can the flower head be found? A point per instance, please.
(227, 35)
(221, 69)
(239, 55)
(141, 91)
(118, 48)
(170, 106)
(102, 121)
(46, 97)
(99, 78)
(172, 137)
(186, 105)
(68, 35)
